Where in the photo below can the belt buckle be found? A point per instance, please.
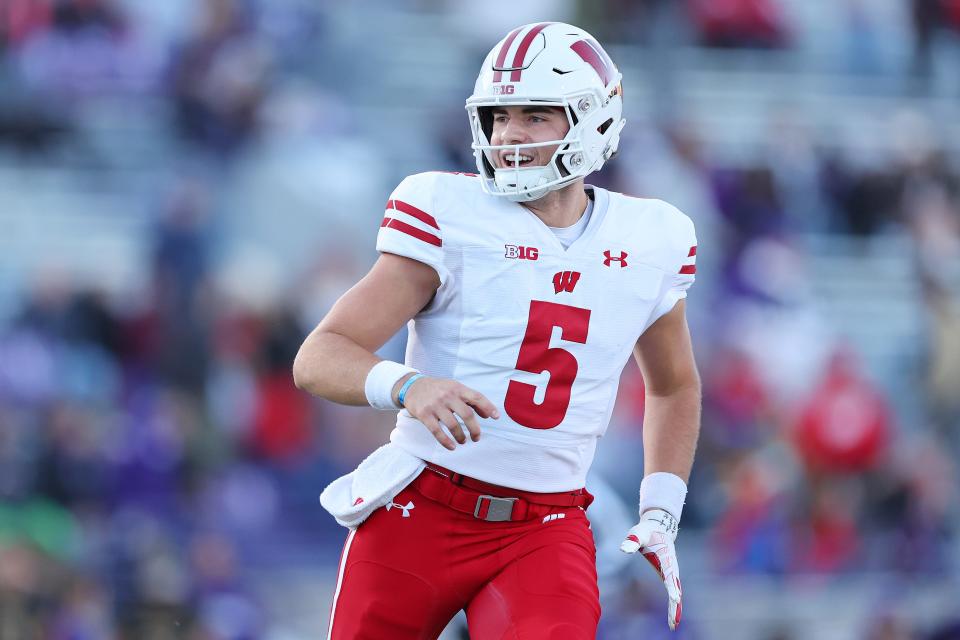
(500, 509)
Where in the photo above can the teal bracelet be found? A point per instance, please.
(406, 387)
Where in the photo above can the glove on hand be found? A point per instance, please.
(653, 536)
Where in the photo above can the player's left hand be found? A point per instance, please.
(654, 536)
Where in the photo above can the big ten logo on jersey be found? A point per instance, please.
(503, 89)
(521, 253)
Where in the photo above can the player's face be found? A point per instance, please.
(525, 125)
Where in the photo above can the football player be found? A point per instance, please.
(525, 292)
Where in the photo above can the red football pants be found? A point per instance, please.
(406, 571)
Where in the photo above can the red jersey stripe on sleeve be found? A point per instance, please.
(410, 230)
(688, 269)
(409, 209)
(693, 251)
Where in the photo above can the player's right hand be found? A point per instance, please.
(438, 402)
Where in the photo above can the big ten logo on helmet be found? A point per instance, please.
(521, 253)
(503, 89)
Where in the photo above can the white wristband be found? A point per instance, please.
(379, 384)
(662, 490)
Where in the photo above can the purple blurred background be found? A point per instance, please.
(186, 186)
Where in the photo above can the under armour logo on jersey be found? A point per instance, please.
(553, 516)
(406, 508)
(607, 258)
(565, 281)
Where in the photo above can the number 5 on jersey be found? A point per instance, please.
(536, 356)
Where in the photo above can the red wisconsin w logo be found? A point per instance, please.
(607, 258)
(565, 281)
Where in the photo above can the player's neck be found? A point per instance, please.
(560, 208)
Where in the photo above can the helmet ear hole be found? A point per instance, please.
(486, 120)
(602, 129)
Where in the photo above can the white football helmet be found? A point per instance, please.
(547, 64)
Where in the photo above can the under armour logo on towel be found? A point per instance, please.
(406, 508)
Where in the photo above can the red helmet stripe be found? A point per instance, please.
(593, 55)
(502, 56)
(522, 50)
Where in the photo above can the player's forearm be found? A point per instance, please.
(334, 367)
(671, 426)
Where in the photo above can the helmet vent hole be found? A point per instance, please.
(606, 125)
(561, 72)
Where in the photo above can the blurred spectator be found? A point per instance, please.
(739, 23)
(845, 424)
(70, 470)
(931, 20)
(281, 426)
(219, 78)
(752, 534)
(924, 530)
(767, 294)
(224, 606)
(86, 612)
(23, 587)
(865, 199)
(926, 19)
(827, 538)
(79, 48)
(182, 297)
(736, 402)
(910, 187)
(19, 19)
(750, 201)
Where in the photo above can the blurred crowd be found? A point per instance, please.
(156, 461)
(141, 452)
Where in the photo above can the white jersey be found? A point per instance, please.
(542, 331)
